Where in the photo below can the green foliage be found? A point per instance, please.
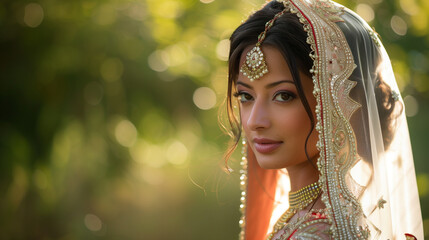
(109, 114)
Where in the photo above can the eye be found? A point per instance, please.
(243, 96)
(284, 96)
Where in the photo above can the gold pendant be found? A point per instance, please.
(255, 66)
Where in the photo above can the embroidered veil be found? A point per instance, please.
(366, 166)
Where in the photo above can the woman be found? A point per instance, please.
(326, 145)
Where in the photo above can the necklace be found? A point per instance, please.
(297, 200)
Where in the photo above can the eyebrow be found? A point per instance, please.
(271, 85)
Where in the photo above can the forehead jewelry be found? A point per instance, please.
(255, 66)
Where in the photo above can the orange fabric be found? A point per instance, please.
(261, 188)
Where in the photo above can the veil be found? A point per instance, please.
(366, 165)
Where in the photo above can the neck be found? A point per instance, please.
(302, 175)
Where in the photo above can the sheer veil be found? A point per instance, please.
(383, 179)
(366, 164)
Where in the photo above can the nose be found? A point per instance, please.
(259, 116)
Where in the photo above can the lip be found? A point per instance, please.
(265, 145)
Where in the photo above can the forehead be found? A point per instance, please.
(278, 68)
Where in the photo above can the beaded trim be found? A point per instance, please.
(304, 196)
(243, 188)
(298, 200)
(308, 220)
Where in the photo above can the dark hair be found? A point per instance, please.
(288, 36)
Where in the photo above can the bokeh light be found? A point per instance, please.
(411, 106)
(125, 133)
(93, 223)
(365, 11)
(204, 98)
(222, 49)
(409, 6)
(175, 55)
(33, 15)
(177, 153)
(158, 61)
(399, 26)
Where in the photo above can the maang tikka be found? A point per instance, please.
(255, 66)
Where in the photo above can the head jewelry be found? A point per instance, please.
(255, 66)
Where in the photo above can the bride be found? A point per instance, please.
(326, 148)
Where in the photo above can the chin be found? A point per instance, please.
(268, 163)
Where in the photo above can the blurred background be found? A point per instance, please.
(109, 112)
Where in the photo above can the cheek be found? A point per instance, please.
(244, 117)
(294, 123)
(300, 127)
(295, 127)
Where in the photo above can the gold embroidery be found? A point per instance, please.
(328, 10)
(337, 143)
(313, 225)
(381, 203)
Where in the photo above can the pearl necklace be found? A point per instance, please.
(297, 201)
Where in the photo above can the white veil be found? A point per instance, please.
(383, 179)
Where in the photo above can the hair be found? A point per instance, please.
(288, 36)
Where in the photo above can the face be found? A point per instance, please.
(274, 119)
